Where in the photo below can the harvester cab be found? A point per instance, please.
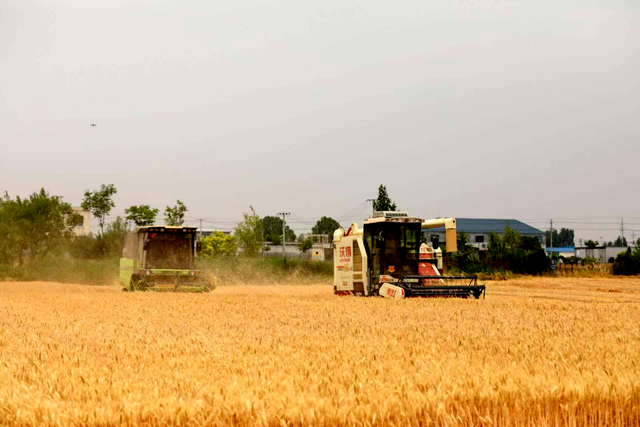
(161, 258)
(386, 257)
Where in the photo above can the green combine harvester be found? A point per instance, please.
(161, 258)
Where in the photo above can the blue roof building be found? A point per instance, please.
(478, 230)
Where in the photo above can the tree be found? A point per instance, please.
(272, 228)
(591, 244)
(112, 241)
(38, 224)
(100, 203)
(325, 225)
(218, 243)
(561, 239)
(305, 244)
(523, 254)
(249, 233)
(620, 242)
(175, 215)
(141, 215)
(383, 202)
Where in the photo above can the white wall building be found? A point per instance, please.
(83, 227)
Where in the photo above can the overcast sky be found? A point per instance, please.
(470, 108)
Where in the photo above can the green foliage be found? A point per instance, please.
(141, 215)
(563, 238)
(106, 245)
(249, 233)
(591, 244)
(257, 270)
(383, 202)
(325, 225)
(524, 255)
(218, 244)
(37, 225)
(305, 244)
(272, 229)
(466, 257)
(100, 202)
(174, 216)
(627, 263)
(620, 242)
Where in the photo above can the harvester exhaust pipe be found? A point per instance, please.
(449, 225)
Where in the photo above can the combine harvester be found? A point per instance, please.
(386, 258)
(161, 258)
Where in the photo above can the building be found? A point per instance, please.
(478, 230)
(601, 253)
(566, 252)
(83, 227)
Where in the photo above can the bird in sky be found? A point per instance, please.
(92, 124)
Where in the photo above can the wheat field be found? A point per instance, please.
(535, 352)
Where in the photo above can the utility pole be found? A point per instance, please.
(284, 234)
(551, 238)
(622, 229)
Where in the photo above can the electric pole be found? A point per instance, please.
(284, 234)
(551, 238)
(622, 230)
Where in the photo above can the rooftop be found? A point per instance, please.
(484, 226)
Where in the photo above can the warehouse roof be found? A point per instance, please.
(484, 226)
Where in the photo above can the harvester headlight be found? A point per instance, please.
(147, 272)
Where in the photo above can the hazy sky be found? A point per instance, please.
(468, 108)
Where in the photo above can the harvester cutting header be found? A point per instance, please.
(386, 257)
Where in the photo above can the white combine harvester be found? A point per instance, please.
(386, 258)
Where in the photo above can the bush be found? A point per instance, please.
(627, 263)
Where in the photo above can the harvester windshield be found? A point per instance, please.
(170, 251)
(394, 247)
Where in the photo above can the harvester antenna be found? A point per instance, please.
(284, 234)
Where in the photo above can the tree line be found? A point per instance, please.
(43, 224)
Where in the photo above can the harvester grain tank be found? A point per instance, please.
(161, 258)
(386, 258)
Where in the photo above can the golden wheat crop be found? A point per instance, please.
(534, 352)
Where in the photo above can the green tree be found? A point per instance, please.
(141, 215)
(112, 241)
(174, 216)
(620, 242)
(218, 243)
(591, 244)
(100, 203)
(523, 255)
(272, 228)
(325, 225)
(305, 244)
(383, 202)
(38, 224)
(249, 233)
(562, 238)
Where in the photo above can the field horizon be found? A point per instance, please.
(536, 351)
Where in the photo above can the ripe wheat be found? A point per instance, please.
(534, 352)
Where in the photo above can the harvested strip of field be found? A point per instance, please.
(526, 355)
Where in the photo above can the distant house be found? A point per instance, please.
(206, 232)
(601, 253)
(83, 227)
(478, 230)
(569, 251)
